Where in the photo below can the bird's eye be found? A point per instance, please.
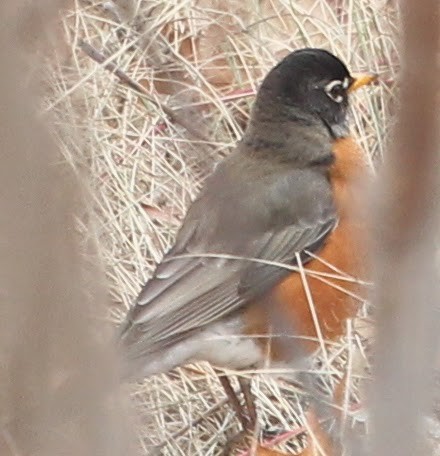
(335, 90)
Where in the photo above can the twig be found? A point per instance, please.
(179, 119)
(182, 431)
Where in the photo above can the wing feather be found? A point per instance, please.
(213, 288)
(199, 282)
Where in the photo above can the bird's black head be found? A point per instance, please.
(309, 84)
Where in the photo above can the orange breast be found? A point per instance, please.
(321, 302)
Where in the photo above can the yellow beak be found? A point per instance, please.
(362, 79)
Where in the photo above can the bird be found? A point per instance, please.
(264, 265)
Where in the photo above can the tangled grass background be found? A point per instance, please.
(183, 77)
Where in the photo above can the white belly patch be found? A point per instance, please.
(224, 345)
(221, 344)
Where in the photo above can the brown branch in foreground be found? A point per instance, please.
(407, 282)
(58, 377)
(174, 116)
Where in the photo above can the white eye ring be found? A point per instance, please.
(329, 89)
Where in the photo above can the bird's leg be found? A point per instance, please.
(233, 399)
(249, 399)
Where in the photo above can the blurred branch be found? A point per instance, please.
(407, 217)
(58, 377)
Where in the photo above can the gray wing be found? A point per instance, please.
(194, 287)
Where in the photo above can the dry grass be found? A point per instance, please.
(206, 63)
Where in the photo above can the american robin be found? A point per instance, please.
(272, 243)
